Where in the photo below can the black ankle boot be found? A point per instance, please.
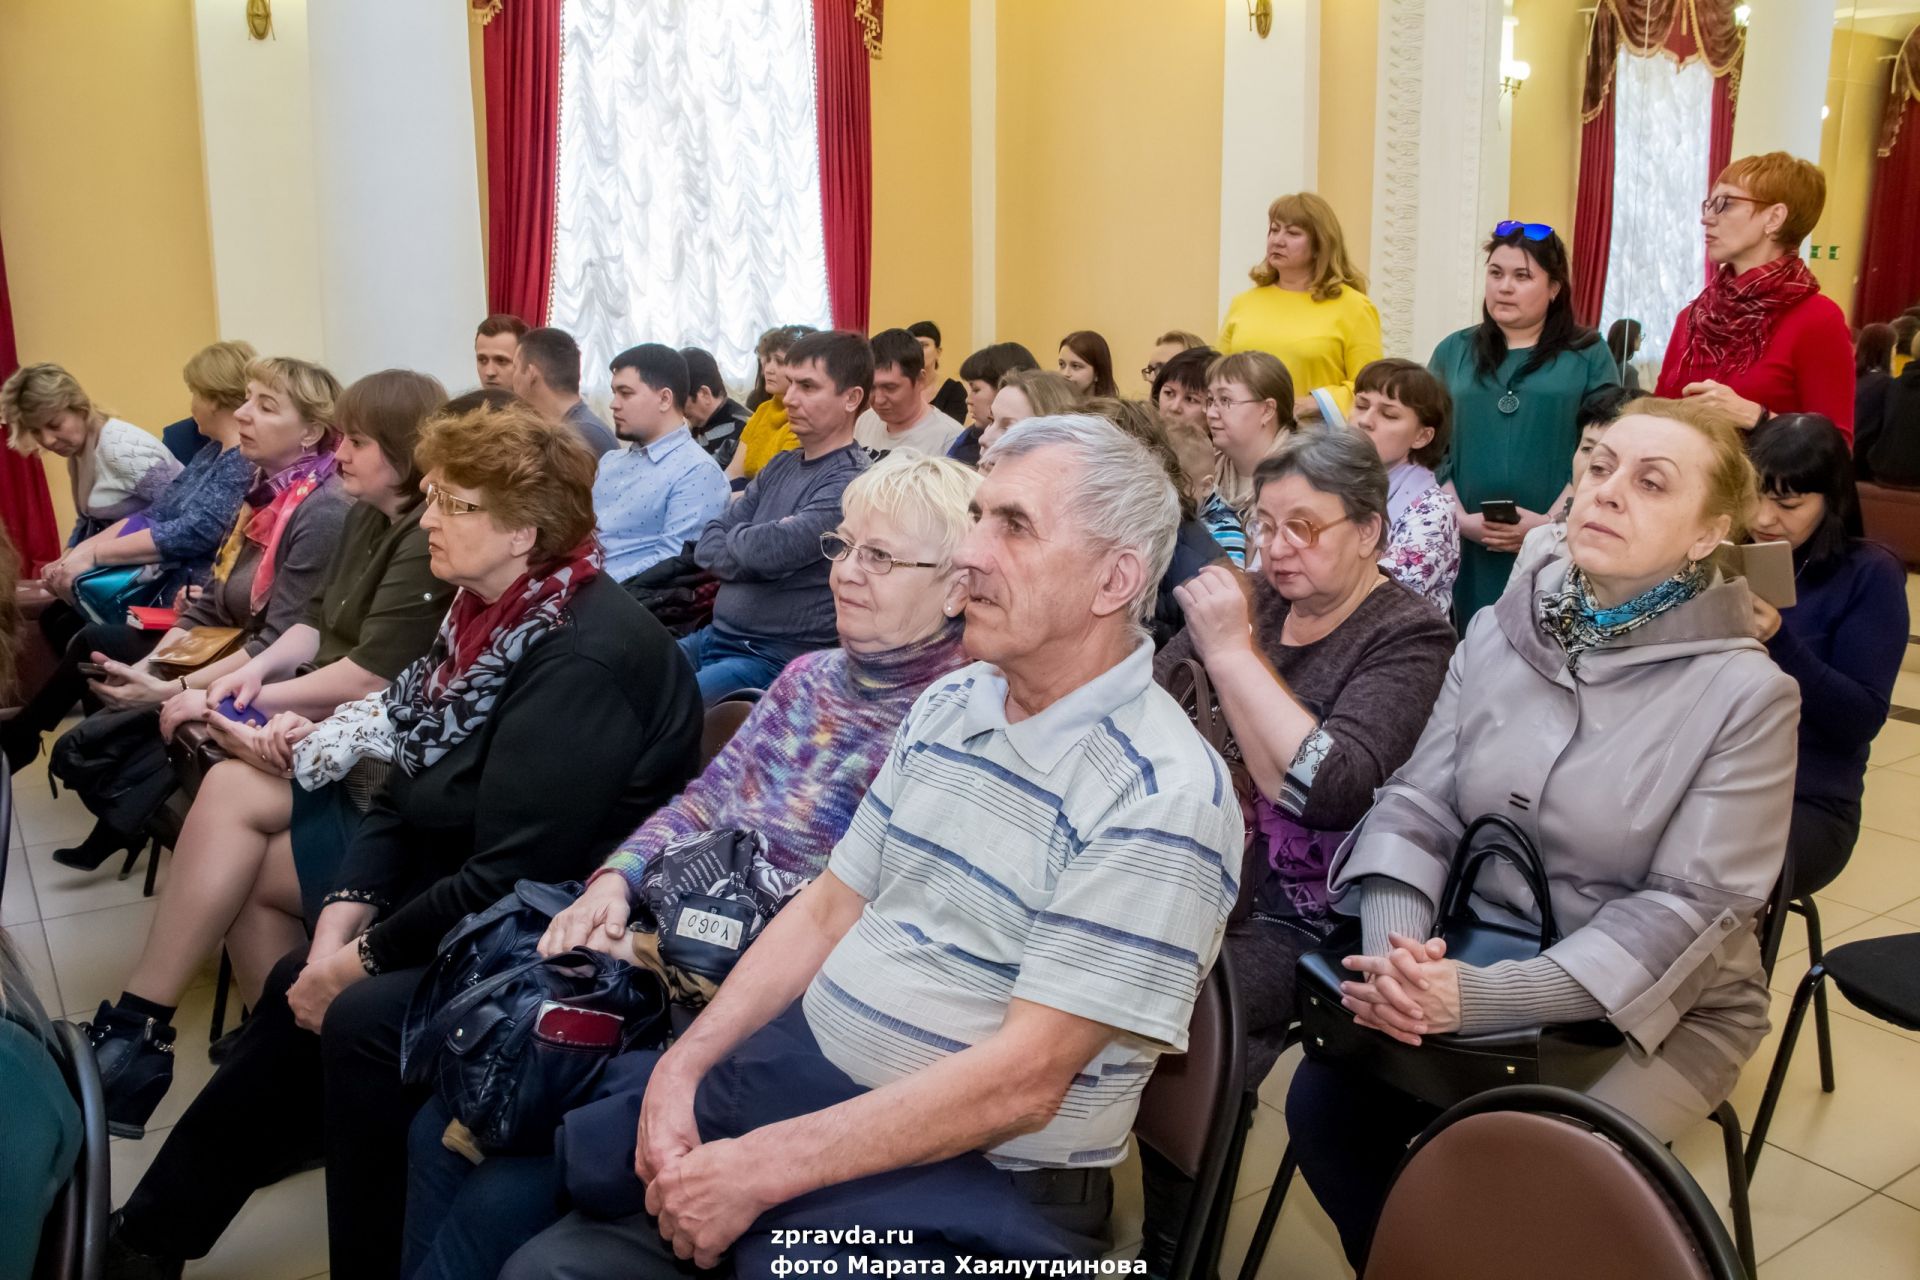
(136, 1066)
(125, 1263)
(101, 843)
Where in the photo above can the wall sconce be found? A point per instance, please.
(1513, 75)
(259, 19)
(1260, 16)
(1742, 14)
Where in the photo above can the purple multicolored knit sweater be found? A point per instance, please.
(802, 762)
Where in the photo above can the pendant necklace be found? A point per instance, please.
(1508, 403)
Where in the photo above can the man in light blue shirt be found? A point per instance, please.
(659, 488)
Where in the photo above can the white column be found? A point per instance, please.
(1439, 166)
(1269, 127)
(983, 60)
(1783, 80)
(396, 184)
(256, 130)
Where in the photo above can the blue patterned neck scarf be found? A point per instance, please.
(1579, 623)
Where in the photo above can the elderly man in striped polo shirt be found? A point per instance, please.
(937, 1049)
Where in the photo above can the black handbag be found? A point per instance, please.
(474, 1027)
(1445, 1069)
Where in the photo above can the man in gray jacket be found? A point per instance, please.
(774, 603)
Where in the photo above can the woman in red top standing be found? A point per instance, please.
(1761, 338)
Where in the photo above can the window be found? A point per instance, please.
(689, 190)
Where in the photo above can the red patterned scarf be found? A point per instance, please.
(439, 700)
(1734, 315)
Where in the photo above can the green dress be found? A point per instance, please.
(1525, 456)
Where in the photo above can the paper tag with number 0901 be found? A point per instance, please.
(708, 926)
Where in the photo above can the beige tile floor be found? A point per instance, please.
(1838, 1193)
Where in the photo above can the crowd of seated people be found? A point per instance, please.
(999, 858)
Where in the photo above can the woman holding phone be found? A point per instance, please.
(1841, 640)
(1517, 379)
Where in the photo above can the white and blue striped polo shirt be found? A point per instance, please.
(1085, 859)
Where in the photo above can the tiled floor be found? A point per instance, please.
(1838, 1193)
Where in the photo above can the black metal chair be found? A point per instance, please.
(1190, 1113)
(73, 1243)
(6, 825)
(1880, 976)
(1532, 1180)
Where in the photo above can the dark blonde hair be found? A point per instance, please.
(1048, 392)
(218, 373)
(533, 473)
(1733, 486)
(312, 389)
(1138, 419)
(35, 395)
(1333, 270)
(1779, 178)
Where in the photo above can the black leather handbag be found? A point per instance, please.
(1445, 1069)
(512, 1040)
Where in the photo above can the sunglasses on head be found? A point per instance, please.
(1531, 230)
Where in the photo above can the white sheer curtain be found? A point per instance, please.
(689, 193)
(1663, 120)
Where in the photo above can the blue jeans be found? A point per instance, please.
(465, 1220)
(726, 661)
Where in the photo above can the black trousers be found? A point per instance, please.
(1820, 839)
(284, 1097)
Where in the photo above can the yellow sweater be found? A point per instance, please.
(1323, 344)
(765, 434)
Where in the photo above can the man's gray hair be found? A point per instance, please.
(1332, 460)
(1122, 496)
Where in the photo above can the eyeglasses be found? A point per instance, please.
(449, 504)
(1227, 402)
(1714, 206)
(1300, 532)
(1531, 230)
(872, 559)
(1150, 370)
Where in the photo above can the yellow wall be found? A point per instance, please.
(922, 183)
(102, 204)
(1109, 173)
(1856, 96)
(1349, 78)
(1550, 36)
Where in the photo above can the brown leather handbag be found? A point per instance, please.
(194, 650)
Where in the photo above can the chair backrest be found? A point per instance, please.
(723, 721)
(1191, 1104)
(73, 1243)
(1536, 1181)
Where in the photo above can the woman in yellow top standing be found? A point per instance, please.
(767, 433)
(1308, 305)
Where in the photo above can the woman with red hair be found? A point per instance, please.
(1761, 338)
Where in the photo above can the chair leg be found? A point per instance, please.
(153, 867)
(1208, 1262)
(1729, 1122)
(1777, 1077)
(1269, 1215)
(220, 997)
(1822, 1029)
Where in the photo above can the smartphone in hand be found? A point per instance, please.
(92, 670)
(1768, 569)
(1500, 511)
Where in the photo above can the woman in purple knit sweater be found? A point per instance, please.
(794, 772)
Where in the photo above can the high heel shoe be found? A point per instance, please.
(101, 843)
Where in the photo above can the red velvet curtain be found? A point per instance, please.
(1593, 215)
(523, 139)
(25, 505)
(1890, 281)
(842, 110)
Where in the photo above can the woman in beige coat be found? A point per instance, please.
(1616, 706)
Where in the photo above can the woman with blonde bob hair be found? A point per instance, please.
(1028, 393)
(1761, 339)
(1616, 706)
(793, 774)
(1308, 305)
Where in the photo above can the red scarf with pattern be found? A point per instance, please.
(1734, 315)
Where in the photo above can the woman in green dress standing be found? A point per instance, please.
(1517, 380)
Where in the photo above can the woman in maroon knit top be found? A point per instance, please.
(1761, 338)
